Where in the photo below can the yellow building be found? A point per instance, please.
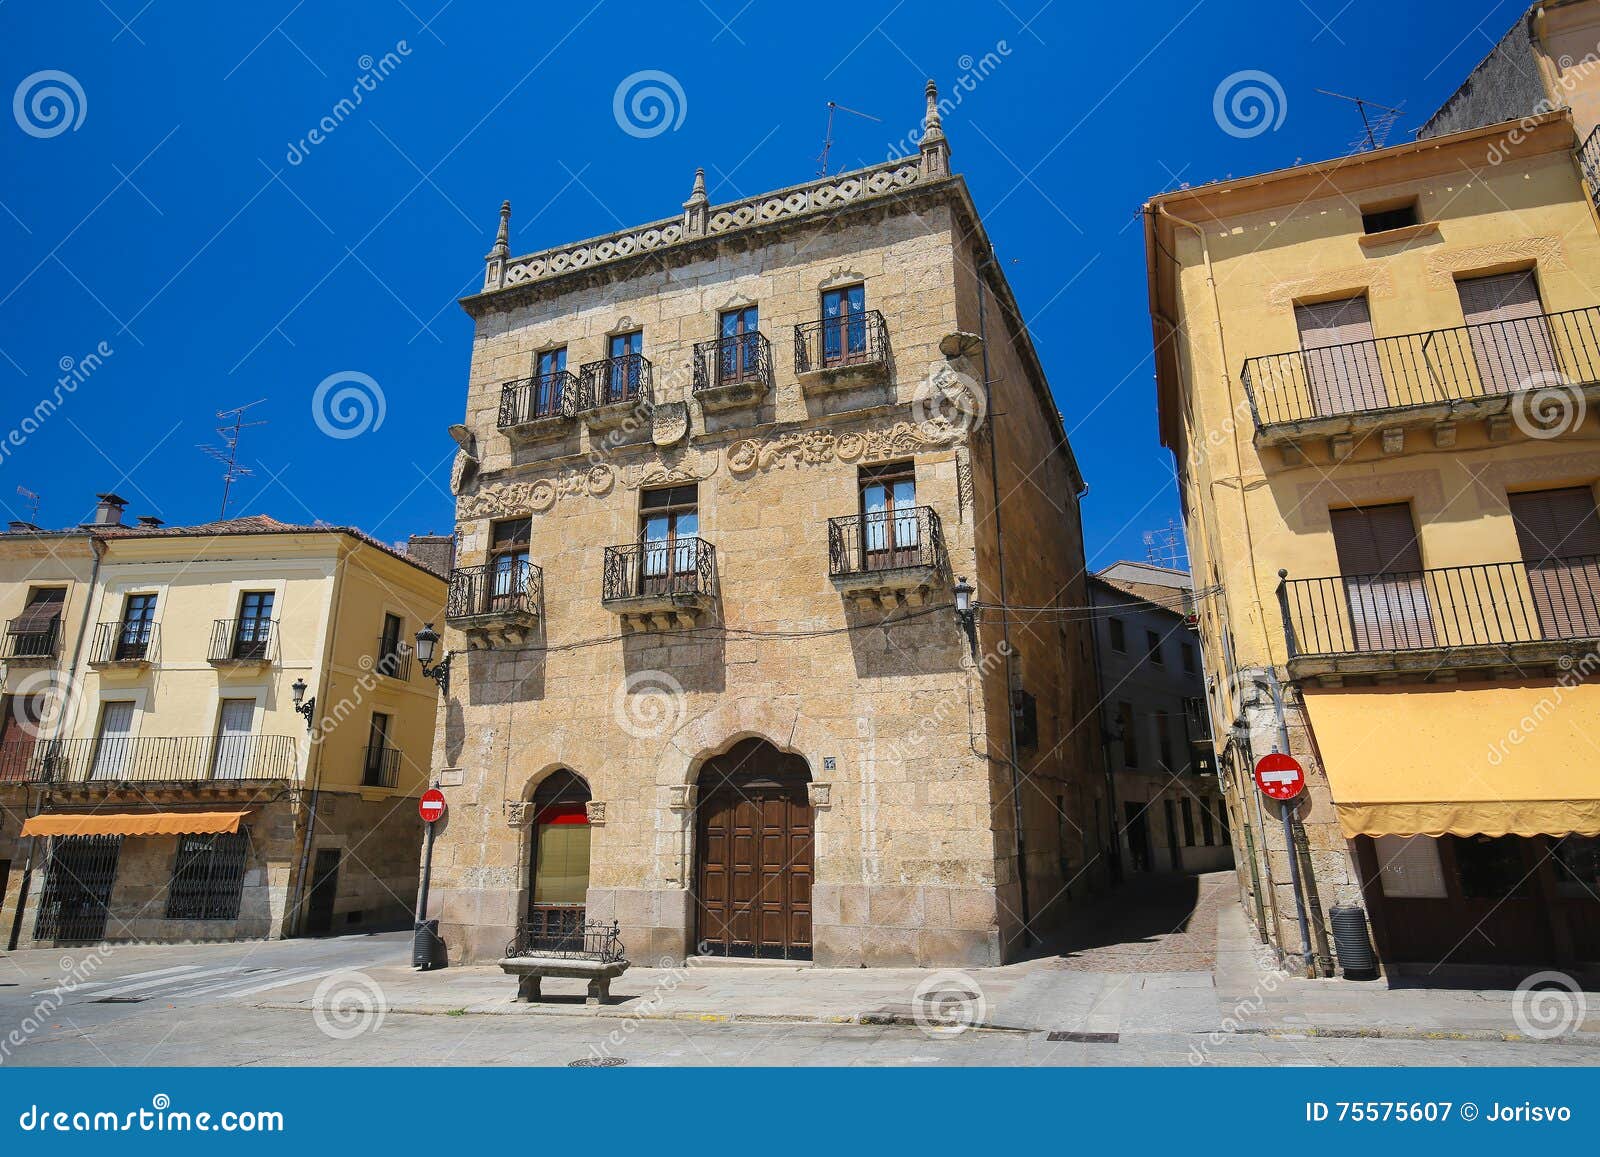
(1377, 375)
(209, 732)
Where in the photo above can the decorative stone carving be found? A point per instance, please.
(1372, 280)
(1394, 440)
(964, 493)
(810, 447)
(512, 498)
(465, 467)
(681, 797)
(820, 795)
(1546, 251)
(518, 812)
(669, 423)
(690, 466)
(596, 810)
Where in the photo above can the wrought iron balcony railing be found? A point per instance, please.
(1589, 158)
(615, 381)
(18, 759)
(526, 400)
(501, 588)
(562, 932)
(857, 339)
(25, 641)
(888, 540)
(1448, 608)
(244, 641)
(392, 657)
(220, 759)
(737, 359)
(380, 766)
(1464, 364)
(125, 642)
(680, 567)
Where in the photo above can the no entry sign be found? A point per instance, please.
(431, 805)
(1280, 776)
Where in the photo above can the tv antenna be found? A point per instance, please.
(1374, 128)
(33, 501)
(228, 452)
(827, 135)
(1164, 547)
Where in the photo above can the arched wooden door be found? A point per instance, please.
(754, 852)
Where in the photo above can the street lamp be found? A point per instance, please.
(427, 646)
(306, 707)
(963, 592)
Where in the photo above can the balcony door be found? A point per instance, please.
(889, 531)
(114, 742)
(548, 383)
(621, 380)
(1559, 534)
(1509, 335)
(231, 759)
(33, 633)
(1383, 581)
(1343, 374)
(138, 622)
(255, 625)
(508, 565)
(669, 530)
(844, 326)
(19, 734)
(738, 352)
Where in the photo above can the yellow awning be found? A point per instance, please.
(1467, 759)
(134, 824)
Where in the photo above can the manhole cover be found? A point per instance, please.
(596, 1063)
(1087, 1038)
(119, 1000)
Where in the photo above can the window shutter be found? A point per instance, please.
(1385, 591)
(1559, 535)
(1507, 331)
(43, 609)
(1340, 356)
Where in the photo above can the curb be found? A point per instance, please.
(1415, 1034)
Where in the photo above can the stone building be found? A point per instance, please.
(720, 477)
(210, 732)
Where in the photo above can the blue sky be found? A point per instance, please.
(180, 220)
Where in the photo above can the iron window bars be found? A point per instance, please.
(208, 877)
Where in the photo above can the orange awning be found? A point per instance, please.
(135, 824)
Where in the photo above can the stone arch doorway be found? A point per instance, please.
(558, 862)
(753, 854)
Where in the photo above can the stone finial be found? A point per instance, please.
(935, 149)
(695, 208)
(495, 275)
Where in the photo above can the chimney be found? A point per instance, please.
(108, 510)
(150, 521)
(436, 552)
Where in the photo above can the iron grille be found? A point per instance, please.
(497, 589)
(562, 932)
(885, 540)
(392, 657)
(380, 766)
(553, 395)
(77, 888)
(208, 877)
(679, 566)
(613, 381)
(736, 359)
(164, 759)
(1589, 157)
(836, 342)
(244, 641)
(1449, 607)
(22, 640)
(1419, 369)
(133, 641)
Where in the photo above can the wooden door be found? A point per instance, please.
(1509, 335)
(324, 889)
(1343, 373)
(114, 745)
(1384, 585)
(231, 757)
(753, 886)
(1559, 534)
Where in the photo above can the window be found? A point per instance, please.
(1188, 822)
(1188, 658)
(669, 537)
(208, 877)
(391, 651)
(1025, 708)
(1385, 218)
(1164, 741)
(844, 326)
(1152, 642)
(138, 622)
(739, 345)
(1130, 741)
(1577, 860)
(1208, 831)
(235, 722)
(34, 632)
(1382, 564)
(625, 367)
(253, 634)
(1509, 334)
(380, 761)
(1558, 533)
(1119, 637)
(1342, 368)
(549, 383)
(560, 861)
(890, 533)
(1491, 867)
(113, 746)
(1409, 867)
(508, 562)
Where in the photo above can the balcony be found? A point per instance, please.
(732, 372)
(214, 760)
(616, 389)
(1589, 158)
(1499, 372)
(839, 353)
(888, 558)
(540, 407)
(380, 766)
(496, 605)
(656, 586)
(243, 643)
(392, 658)
(1507, 617)
(26, 644)
(129, 645)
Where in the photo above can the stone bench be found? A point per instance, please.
(530, 970)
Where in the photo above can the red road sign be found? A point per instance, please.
(1280, 776)
(431, 805)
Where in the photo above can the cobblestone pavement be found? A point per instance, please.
(1151, 923)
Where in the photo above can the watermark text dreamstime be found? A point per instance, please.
(74, 372)
(373, 73)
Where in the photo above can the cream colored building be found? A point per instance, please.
(157, 778)
(721, 474)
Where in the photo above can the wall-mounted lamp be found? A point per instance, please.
(427, 645)
(306, 707)
(963, 592)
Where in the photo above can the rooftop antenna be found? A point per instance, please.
(827, 135)
(33, 501)
(1164, 547)
(228, 452)
(1376, 127)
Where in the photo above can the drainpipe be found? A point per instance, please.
(1308, 960)
(1005, 614)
